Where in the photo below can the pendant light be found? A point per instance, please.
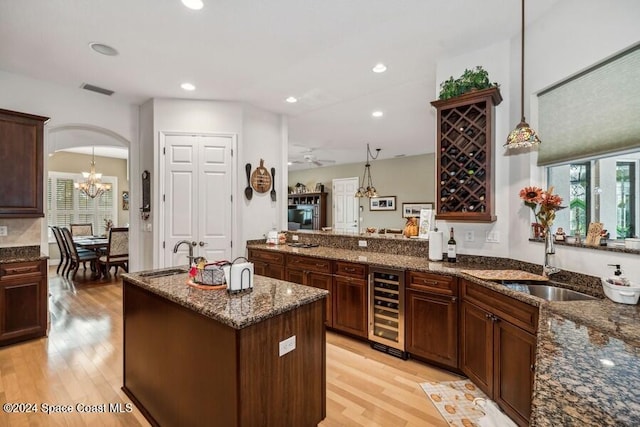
(523, 135)
(370, 190)
(92, 186)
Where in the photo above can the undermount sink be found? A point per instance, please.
(162, 273)
(549, 293)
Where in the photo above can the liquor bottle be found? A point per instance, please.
(451, 247)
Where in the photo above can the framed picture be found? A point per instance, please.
(382, 203)
(125, 200)
(413, 209)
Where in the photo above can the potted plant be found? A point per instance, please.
(474, 79)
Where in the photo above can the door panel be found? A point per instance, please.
(346, 208)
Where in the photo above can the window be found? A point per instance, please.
(579, 199)
(67, 205)
(625, 199)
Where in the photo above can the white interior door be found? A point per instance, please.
(197, 196)
(346, 209)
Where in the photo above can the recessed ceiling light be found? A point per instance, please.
(193, 4)
(379, 68)
(377, 114)
(103, 49)
(188, 86)
(292, 100)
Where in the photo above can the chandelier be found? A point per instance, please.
(370, 190)
(523, 135)
(92, 186)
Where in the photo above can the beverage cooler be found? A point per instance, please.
(386, 311)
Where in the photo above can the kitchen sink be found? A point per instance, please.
(549, 293)
(162, 273)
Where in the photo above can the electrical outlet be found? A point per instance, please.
(469, 236)
(287, 346)
(362, 243)
(294, 237)
(4, 230)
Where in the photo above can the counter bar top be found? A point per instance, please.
(268, 298)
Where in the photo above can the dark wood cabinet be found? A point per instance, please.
(350, 298)
(432, 317)
(23, 301)
(497, 347)
(21, 157)
(267, 263)
(465, 188)
(313, 272)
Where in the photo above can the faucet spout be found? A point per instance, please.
(189, 244)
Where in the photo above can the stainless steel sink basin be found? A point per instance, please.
(162, 273)
(550, 293)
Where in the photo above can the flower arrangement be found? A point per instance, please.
(544, 204)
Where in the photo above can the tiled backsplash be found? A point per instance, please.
(21, 231)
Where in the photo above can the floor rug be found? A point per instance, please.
(454, 401)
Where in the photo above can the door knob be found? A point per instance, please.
(202, 243)
(194, 243)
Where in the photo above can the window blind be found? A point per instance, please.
(592, 114)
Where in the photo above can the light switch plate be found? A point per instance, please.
(4, 230)
(493, 237)
(295, 237)
(362, 243)
(287, 346)
(469, 236)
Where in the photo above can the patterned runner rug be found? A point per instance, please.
(454, 401)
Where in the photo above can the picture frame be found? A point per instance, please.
(387, 203)
(125, 200)
(412, 209)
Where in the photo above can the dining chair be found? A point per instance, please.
(81, 229)
(64, 253)
(76, 255)
(117, 254)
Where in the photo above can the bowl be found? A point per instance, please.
(621, 294)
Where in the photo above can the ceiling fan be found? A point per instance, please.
(310, 158)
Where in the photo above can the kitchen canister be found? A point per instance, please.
(436, 239)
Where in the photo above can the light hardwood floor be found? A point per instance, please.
(80, 362)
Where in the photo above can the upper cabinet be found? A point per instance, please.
(21, 156)
(465, 153)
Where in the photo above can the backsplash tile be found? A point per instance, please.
(21, 231)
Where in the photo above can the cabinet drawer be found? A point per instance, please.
(428, 282)
(309, 263)
(266, 256)
(16, 270)
(510, 309)
(351, 269)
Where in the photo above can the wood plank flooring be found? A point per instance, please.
(80, 362)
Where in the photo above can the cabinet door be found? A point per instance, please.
(275, 271)
(23, 309)
(514, 351)
(350, 305)
(432, 327)
(295, 276)
(322, 281)
(476, 346)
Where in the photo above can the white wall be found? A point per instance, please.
(571, 37)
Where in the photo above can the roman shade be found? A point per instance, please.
(592, 114)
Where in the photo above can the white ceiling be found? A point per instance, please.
(261, 52)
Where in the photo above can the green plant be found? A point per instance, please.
(477, 78)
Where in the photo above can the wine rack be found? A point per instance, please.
(386, 311)
(464, 153)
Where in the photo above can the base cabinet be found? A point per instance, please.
(23, 301)
(350, 305)
(267, 263)
(497, 348)
(313, 272)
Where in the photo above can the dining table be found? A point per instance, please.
(98, 244)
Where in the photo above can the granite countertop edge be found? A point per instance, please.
(9, 259)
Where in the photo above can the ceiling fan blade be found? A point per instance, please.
(317, 163)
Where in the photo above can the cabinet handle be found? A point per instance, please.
(488, 316)
(321, 265)
(532, 367)
(349, 269)
(454, 299)
(429, 282)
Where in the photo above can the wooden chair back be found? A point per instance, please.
(118, 242)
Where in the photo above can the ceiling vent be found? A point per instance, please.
(97, 89)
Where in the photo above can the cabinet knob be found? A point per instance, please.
(533, 368)
(454, 299)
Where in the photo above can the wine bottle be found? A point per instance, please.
(451, 247)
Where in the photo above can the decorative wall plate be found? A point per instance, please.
(261, 178)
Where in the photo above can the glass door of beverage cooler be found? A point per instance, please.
(386, 310)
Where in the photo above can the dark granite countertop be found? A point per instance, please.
(21, 254)
(575, 383)
(268, 298)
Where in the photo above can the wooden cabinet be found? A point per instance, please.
(464, 156)
(267, 263)
(314, 272)
(350, 298)
(23, 301)
(497, 347)
(21, 156)
(308, 210)
(432, 317)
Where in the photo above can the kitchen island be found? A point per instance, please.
(205, 357)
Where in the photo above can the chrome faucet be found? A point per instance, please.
(190, 245)
(547, 268)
